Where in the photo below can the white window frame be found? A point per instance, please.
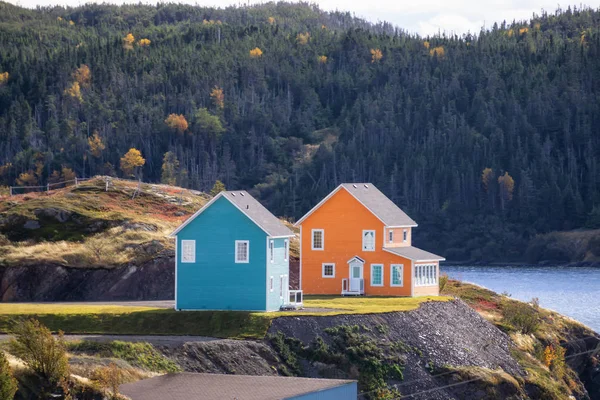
(382, 274)
(271, 284)
(247, 260)
(312, 239)
(281, 280)
(323, 270)
(185, 243)
(392, 284)
(391, 235)
(286, 253)
(405, 235)
(426, 275)
(363, 239)
(272, 250)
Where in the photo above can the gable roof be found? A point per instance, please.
(249, 206)
(375, 201)
(187, 385)
(414, 253)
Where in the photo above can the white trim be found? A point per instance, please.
(323, 270)
(281, 237)
(382, 275)
(390, 235)
(176, 268)
(429, 274)
(392, 284)
(374, 239)
(334, 192)
(271, 284)
(402, 226)
(188, 242)
(300, 263)
(404, 235)
(271, 244)
(286, 249)
(312, 239)
(410, 258)
(237, 261)
(355, 258)
(412, 279)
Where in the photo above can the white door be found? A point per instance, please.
(356, 274)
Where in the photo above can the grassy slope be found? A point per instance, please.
(225, 324)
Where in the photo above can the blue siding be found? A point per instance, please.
(344, 392)
(276, 269)
(215, 281)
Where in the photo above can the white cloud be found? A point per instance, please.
(423, 16)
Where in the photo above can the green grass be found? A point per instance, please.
(124, 320)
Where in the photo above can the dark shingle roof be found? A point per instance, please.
(414, 253)
(379, 204)
(188, 386)
(258, 213)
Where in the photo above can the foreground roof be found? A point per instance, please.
(375, 201)
(253, 210)
(186, 386)
(414, 253)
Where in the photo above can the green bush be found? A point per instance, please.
(443, 281)
(43, 353)
(8, 384)
(521, 316)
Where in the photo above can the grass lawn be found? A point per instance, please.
(125, 320)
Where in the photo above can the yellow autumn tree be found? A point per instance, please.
(322, 59)
(438, 51)
(74, 91)
(537, 26)
(271, 20)
(128, 41)
(177, 122)
(96, 145)
(131, 161)
(302, 38)
(3, 78)
(144, 42)
(83, 76)
(218, 97)
(256, 53)
(486, 178)
(376, 55)
(523, 31)
(71, 23)
(27, 179)
(426, 44)
(67, 174)
(507, 186)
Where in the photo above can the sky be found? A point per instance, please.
(425, 17)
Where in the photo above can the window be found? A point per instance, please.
(272, 250)
(242, 251)
(328, 270)
(286, 248)
(396, 272)
(368, 241)
(271, 284)
(188, 251)
(281, 280)
(405, 235)
(318, 239)
(376, 274)
(426, 275)
(391, 235)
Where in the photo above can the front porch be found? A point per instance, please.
(353, 287)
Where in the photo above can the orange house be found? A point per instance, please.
(356, 241)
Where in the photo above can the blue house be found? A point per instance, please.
(233, 254)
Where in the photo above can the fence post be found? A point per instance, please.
(76, 183)
(10, 191)
(106, 181)
(47, 187)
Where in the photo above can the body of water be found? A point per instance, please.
(570, 291)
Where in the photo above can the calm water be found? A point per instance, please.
(570, 291)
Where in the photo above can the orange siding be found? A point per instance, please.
(343, 220)
(398, 238)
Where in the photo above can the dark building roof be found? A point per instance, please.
(414, 253)
(253, 210)
(191, 386)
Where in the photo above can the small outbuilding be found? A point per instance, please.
(192, 386)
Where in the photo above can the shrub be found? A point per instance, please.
(521, 316)
(110, 378)
(8, 384)
(443, 281)
(43, 353)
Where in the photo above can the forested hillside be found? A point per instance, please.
(485, 140)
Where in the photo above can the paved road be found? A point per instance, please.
(156, 340)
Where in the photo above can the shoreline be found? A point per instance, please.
(575, 264)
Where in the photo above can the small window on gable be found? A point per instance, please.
(328, 270)
(405, 235)
(368, 241)
(271, 284)
(242, 251)
(391, 235)
(188, 251)
(318, 239)
(272, 250)
(286, 249)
